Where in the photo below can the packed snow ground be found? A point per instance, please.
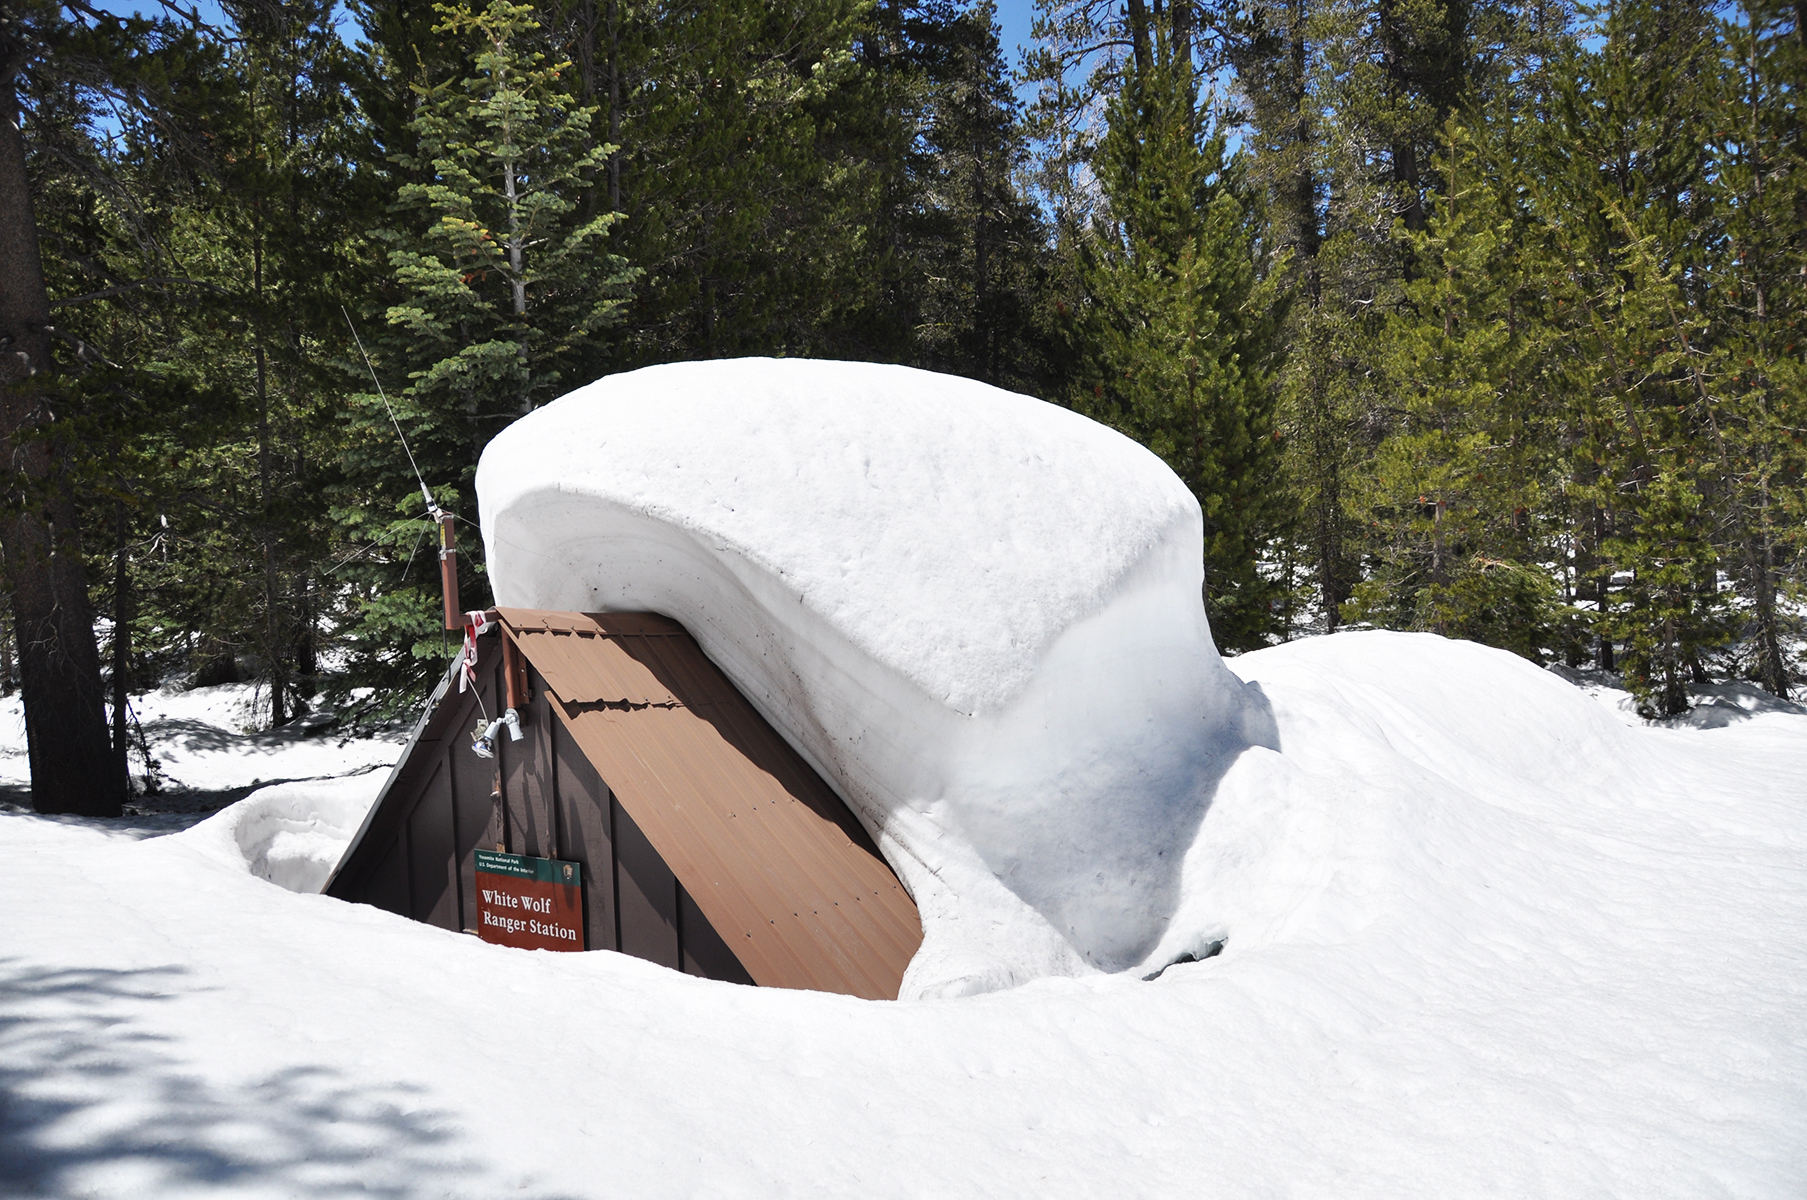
(1484, 936)
(976, 613)
(211, 746)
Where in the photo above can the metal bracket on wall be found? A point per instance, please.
(499, 814)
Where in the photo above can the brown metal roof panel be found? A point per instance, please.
(640, 674)
(742, 725)
(590, 668)
(715, 874)
(679, 664)
(602, 672)
(761, 814)
(713, 816)
(848, 839)
(625, 656)
(639, 773)
(759, 800)
(635, 624)
(765, 847)
(751, 855)
(559, 621)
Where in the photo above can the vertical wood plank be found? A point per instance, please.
(388, 888)
(473, 781)
(539, 785)
(704, 952)
(474, 815)
(524, 798)
(647, 894)
(432, 857)
(584, 833)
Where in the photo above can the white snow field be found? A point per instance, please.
(1481, 933)
(976, 613)
(213, 740)
(1483, 939)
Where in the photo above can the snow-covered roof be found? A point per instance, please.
(977, 614)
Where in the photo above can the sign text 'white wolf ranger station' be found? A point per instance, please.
(532, 903)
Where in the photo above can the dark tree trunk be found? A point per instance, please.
(59, 662)
(584, 18)
(1603, 589)
(122, 649)
(614, 107)
(1581, 572)
(6, 659)
(274, 665)
(1181, 11)
(1139, 35)
(307, 662)
(1304, 181)
(981, 267)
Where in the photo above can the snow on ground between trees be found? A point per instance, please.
(211, 745)
(1476, 932)
(977, 614)
(1483, 938)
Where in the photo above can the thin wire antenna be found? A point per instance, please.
(411, 554)
(432, 505)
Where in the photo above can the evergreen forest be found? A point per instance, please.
(1476, 317)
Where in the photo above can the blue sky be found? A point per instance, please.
(1013, 20)
(1014, 17)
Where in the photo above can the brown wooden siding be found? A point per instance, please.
(707, 844)
(586, 832)
(773, 860)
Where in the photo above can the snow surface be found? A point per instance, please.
(1715, 705)
(1482, 937)
(213, 740)
(977, 614)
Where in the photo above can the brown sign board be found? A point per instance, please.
(530, 903)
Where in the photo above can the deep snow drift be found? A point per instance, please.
(1484, 938)
(1481, 933)
(977, 614)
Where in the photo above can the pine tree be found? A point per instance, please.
(505, 295)
(1450, 497)
(1617, 182)
(272, 232)
(1314, 101)
(506, 301)
(748, 184)
(62, 393)
(1751, 394)
(976, 242)
(1175, 340)
(1342, 107)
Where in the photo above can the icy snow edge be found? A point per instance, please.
(978, 615)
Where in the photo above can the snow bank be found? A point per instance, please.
(1483, 939)
(975, 613)
(1397, 760)
(291, 834)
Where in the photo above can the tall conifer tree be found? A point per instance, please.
(1454, 499)
(979, 246)
(506, 288)
(1175, 339)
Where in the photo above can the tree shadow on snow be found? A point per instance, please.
(198, 736)
(92, 1102)
(171, 810)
